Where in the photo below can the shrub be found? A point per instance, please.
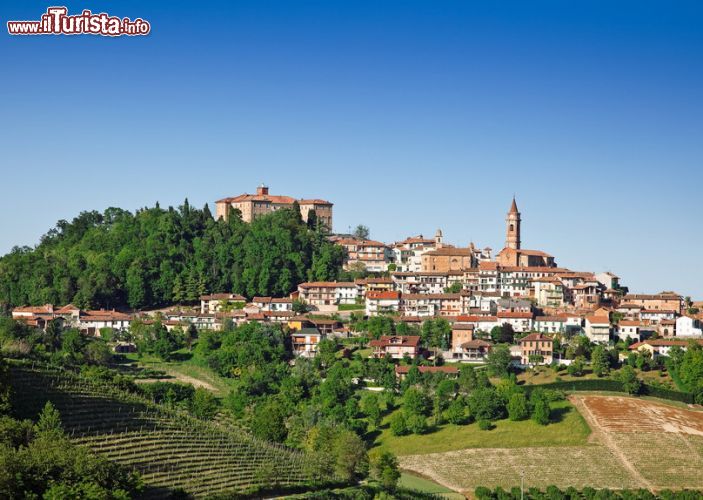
(417, 424)
(399, 425)
(485, 425)
(456, 413)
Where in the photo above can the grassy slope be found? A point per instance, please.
(544, 375)
(569, 429)
(413, 482)
(185, 369)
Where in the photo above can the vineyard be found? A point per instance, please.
(169, 448)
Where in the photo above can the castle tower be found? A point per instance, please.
(512, 233)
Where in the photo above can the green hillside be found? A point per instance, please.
(169, 448)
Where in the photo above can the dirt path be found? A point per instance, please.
(607, 440)
(181, 378)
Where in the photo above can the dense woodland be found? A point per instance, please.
(160, 256)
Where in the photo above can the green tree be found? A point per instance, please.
(203, 405)
(518, 409)
(600, 361)
(49, 422)
(416, 402)
(269, 421)
(540, 407)
(385, 469)
(456, 412)
(499, 360)
(351, 459)
(399, 424)
(371, 408)
(629, 380)
(361, 232)
(503, 334)
(486, 404)
(576, 367)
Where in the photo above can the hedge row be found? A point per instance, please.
(554, 493)
(614, 386)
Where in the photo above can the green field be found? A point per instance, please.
(413, 482)
(568, 429)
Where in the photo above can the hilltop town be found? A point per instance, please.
(418, 278)
(258, 352)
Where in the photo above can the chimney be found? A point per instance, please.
(262, 189)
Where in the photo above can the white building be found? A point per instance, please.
(687, 326)
(598, 329)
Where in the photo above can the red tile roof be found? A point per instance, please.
(404, 341)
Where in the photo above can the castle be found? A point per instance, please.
(252, 206)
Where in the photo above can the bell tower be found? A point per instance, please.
(512, 232)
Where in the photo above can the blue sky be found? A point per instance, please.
(409, 116)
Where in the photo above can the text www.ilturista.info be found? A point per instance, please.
(56, 21)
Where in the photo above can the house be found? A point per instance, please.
(382, 303)
(251, 206)
(661, 347)
(373, 255)
(586, 295)
(520, 321)
(608, 280)
(91, 322)
(536, 349)
(549, 291)
(630, 310)
(656, 315)
(688, 326)
(628, 329)
(31, 311)
(597, 329)
(435, 304)
(408, 253)
(402, 371)
(382, 284)
(323, 325)
(480, 323)
(667, 328)
(327, 295)
(668, 301)
(213, 303)
(550, 324)
(397, 347)
(472, 351)
(461, 333)
(273, 303)
(304, 342)
(514, 305)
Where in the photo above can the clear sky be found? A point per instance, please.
(409, 116)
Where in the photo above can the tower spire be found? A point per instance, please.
(512, 222)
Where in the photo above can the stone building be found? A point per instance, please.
(252, 206)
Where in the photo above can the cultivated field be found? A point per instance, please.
(169, 448)
(635, 443)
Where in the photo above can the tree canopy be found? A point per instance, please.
(159, 256)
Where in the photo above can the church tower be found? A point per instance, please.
(512, 233)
